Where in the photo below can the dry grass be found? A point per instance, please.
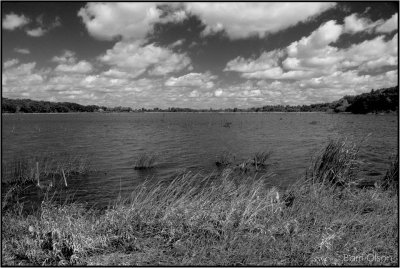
(210, 219)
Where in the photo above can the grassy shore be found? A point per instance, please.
(220, 219)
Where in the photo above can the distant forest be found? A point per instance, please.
(376, 101)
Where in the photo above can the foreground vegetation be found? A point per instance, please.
(382, 100)
(227, 219)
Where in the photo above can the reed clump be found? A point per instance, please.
(336, 164)
(27, 169)
(391, 179)
(145, 161)
(260, 159)
(225, 159)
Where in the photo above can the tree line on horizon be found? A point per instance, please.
(376, 101)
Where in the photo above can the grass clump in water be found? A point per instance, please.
(24, 170)
(145, 161)
(260, 160)
(225, 159)
(337, 164)
(391, 179)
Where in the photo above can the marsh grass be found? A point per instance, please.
(225, 159)
(260, 159)
(145, 161)
(391, 179)
(213, 219)
(26, 170)
(336, 164)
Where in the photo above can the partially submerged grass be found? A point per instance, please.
(337, 163)
(260, 159)
(145, 161)
(225, 159)
(391, 179)
(258, 162)
(210, 219)
(26, 170)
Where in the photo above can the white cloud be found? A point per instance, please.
(13, 21)
(67, 62)
(22, 50)
(177, 43)
(37, 32)
(192, 80)
(354, 24)
(106, 21)
(267, 60)
(42, 29)
(303, 58)
(389, 26)
(135, 59)
(80, 67)
(372, 54)
(218, 92)
(314, 56)
(20, 77)
(241, 20)
(10, 63)
(68, 56)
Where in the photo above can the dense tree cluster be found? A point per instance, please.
(382, 100)
(32, 106)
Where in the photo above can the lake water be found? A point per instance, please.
(192, 141)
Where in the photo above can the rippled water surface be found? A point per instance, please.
(191, 141)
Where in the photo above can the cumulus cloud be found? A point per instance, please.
(388, 26)
(218, 92)
(267, 60)
(241, 20)
(67, 56)
(17, 78)
(300, 59)
(355, 24)
(67, 62)
(10, 63)
(13, 21)
(22, 50)
(106, 21)
(37, 32)
(80, 67)
(314, 56)
(177, 43)
(199, 80)
(42, 29)
(133, 58)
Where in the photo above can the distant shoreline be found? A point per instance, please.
(183, 113)
(222, 112)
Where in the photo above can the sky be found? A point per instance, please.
(197, 55)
